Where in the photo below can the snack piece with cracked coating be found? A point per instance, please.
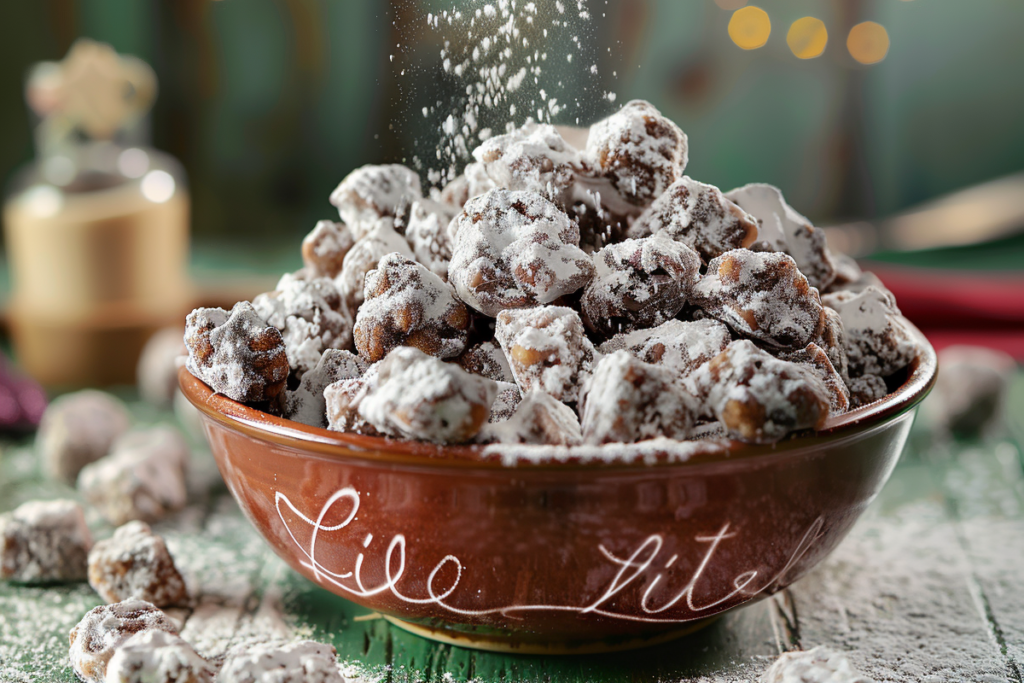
(820, 665)
(78, 429)
(547, 348)
(533, 158)
(759, 398)
(364, 257)
(638, 283)
(300, 662)
(311, 316)
(815, 357)
(324, 248)
(307, 404)
(44, 542)
(537, 419)
(427, 235)
(106, 628)
(343, 398)
(237, 354)
(158, 656)
(421, 397)
(783, 229)
(640, 151)
(372, 192)
(627, 400)
(681, 346)
(832, 341)
(487, 360)
(699, 216)
(506, 399)
(877, 340)
(135, 563)
(761, 295)
(866, 389)
(515, 250)
(407, 305)
(143, 478)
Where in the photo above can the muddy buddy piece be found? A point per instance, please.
(420, 397)
(866, 389)
(237, 354)
(877, 341)
(487, 360)
(505, 401)
(105, 629)
(820, 665)
(759, 398)
(371, 192)
(627, 400)
(639, 283)
(762, 296)
(44, 542)
(158, 657)
(515, 250)
(301, 662)
(680, 346)
(533, 158)
(307, 404)
(427, 235)
(364, 257)
(407, 305)
(699, 216)
(157, 371)
(343, 398)
(324, 248)
(832, 341)
(970, 392)
(537, 419)
(78, 429)
(135, 563)
(547, 349)
(814, 357)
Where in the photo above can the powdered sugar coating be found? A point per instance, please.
(638, 283)
(546, 348)
(832, 341)
(538, 419)
(627, 400)
(372, 192)
(157, 657)
(421, 397)
(877, 341)
(783, 229)
(505, 401)
(44, 542)
(814, 357)
(343, 398)
(473, 182)
(307, 404)
(364, 256)
(237, 354)
(407, 305)
(104, 629)
(513, 250)
(302, 662)
(487, 360)
(700, 216)
(78, 429)
(639, 150)
(135, 563)
(532, 158)
(763, 296)
(680, 346)
(757, 397)
(866, 389)
(427, 234)
(820, 665)
(324, 248)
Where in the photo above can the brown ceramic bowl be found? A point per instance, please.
(558, 555)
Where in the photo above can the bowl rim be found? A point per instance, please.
(921, 376)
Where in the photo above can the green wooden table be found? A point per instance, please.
(929, 586)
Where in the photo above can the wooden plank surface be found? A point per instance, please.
(929, 586)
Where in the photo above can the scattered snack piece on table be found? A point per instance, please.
(407, 305)
(971, 389)
(364, 256)
(421, 397)
(106, 628)
(143, 478)
(537, 419)
(681, 346)
(324, 248)
(301, 662)
(307, 404)
(627, 400)
(820, 665)
(877, 341)
(78, 429)
(638, 283)
(371, 192)
(236, 353)
(23, 399)
(487, 360)
(44, 542)
(157, 371)
(156, 656)
(135, 563)
(546, 348)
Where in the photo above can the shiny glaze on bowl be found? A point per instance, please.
(554, 556)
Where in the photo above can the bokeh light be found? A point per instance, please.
(730, 4)
(750, 27)
(868, 42)
(807, 37)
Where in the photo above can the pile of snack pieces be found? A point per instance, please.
(131, 476)
(555, 295)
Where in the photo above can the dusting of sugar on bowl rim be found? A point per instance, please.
(542, 549)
